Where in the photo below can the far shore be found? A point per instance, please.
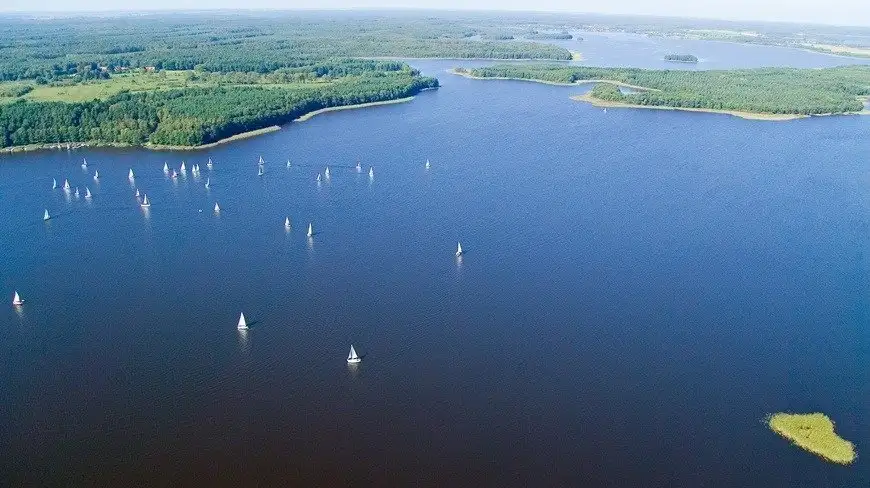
(744, 115)
(351, 107)
(157, 147)
(453, 71)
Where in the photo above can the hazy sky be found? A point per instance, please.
(845, 12)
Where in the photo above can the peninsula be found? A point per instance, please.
(681, 58)
(766, 93)
(813, 432)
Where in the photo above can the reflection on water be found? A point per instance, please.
(19, 311)
(244, 346)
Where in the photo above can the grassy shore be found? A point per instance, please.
(744, 115)
(350, 107)
(813, 432)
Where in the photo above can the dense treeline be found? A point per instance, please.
(767, 90)
(681, 58)
(192, 116)
(45, 50)
(535, 35)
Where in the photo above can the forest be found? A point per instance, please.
(765, 90)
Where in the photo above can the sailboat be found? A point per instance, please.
(243, 324)
(371, 171)
(326, 173)
(96, 174)
(310, 230)
(183, 168)
(259, 171)
(428, 164)
(45, 216)
(77, 192)
(54, 183)
(87, 192)
(17, 300)
(318, 177)
(217, 208)
(137, 193)
(66, 185)
(458, 249)
(287, 223)
(145, 202)
(130, 175)
(352, 357)
(358, 167)
(605, 109)
(208, 164)
(174, 174)
(288, 163)
(84, 164)
(166, 168)
(207, 182)
(261, 162)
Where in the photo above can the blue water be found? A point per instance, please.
(640, 289)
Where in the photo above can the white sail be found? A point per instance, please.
(130, 175)
(259, 171)
(183, 167)
(209, 165)
(137, 193)
(287, 222)
(207, 182)
(310, 230)
(85, 163)
(358, 167)
(145, 202)
(77, 192)
(87, 192)
(166, 168)
(243, 324)
(17, 300)
(318, 177)
(326, 173)
(352, 356)
(428, 164)
(371, 171)
(458, 249)
(66, 185)
(53, 183)
(217, 208)
(96, 174)
(45, 216)
(261, 162)
(288, 163)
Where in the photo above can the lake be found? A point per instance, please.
(639, 290)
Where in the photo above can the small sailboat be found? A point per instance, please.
(207, 182)
(428, 165)
(259, 171)
(458, 249)
(217, 208)
(183, 168)
(87, 193)
(84, 164)
(605, 109)
(130, 175)
(310, 230)
(96, 175)
(77, 192)
(318, 177)
(137, 193)
(209, 165)
(66, 185)
(17, 300)
(287, 223)
(145, 202)
(166, 168)
(352, 357)
(261, 162)
(243, 324)
(45, 216)
(288, 163)
(371, 171)
(54, 183)
(326, 173)
(358, 167)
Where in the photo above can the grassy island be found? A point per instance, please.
(769, 93)
(813, 432)
(681, 58)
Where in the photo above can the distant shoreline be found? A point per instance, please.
(453, 71)
(737, 113)
(156, 147)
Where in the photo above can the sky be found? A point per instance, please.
(840, 12)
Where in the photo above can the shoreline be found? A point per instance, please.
(597, 102)
(156, 147)
(309, 115)
(556, 83)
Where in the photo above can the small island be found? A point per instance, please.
(813, 432)
(681, 58)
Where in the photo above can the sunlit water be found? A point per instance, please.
(639, 290)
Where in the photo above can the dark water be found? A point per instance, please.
(640, 289)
